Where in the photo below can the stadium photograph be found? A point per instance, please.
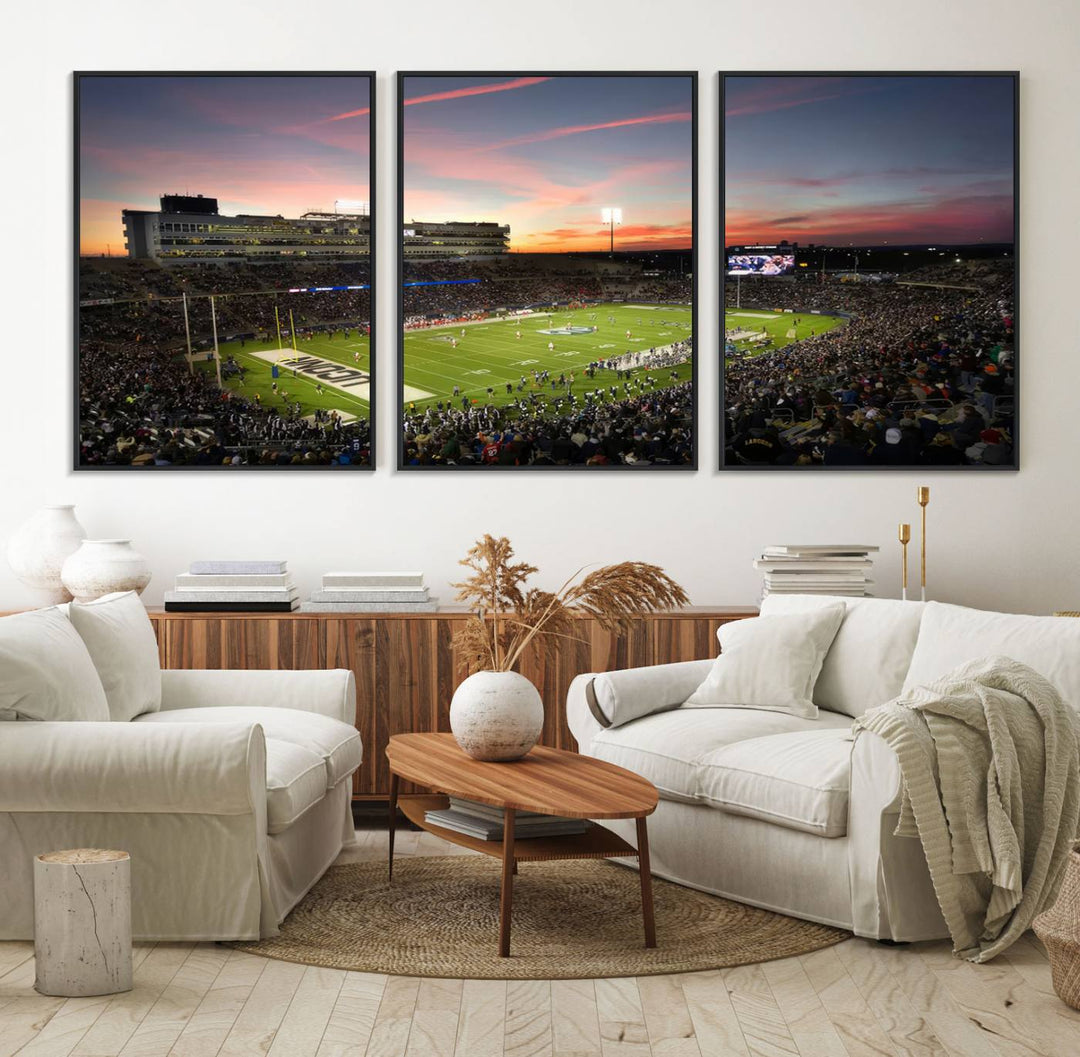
(547, 270)
(869, 271)
(224, 244)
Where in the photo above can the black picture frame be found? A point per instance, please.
(78, 78)
(400, 462)
(726, 465)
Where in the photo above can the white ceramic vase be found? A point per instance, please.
(496, 715)
(37, 551)
(100, 567)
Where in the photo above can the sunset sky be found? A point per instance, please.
(546, 154)
(272, 145)
(869, 160)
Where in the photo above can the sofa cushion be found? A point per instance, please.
(870, 656)
(336, 743)
(953, 635)
(668, 748)
(799, 780)
(770, 662)
(121, 642)
(45, 670)
(295, 780)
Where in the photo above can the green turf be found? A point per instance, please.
(258, 378)
(490, 354)
(780, 326)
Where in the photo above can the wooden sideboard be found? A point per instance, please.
(406, 667)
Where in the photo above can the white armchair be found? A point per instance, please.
(232, 799)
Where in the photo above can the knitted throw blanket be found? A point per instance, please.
(990, 761)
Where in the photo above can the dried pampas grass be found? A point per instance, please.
(507, 615)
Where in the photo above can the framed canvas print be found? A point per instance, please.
(223, 246)
(547, 271)
(869, 271)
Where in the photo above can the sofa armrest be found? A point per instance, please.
(330, 692)
(596, 701)
(187, 768)
(891, 892)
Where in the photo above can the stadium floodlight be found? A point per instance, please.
(611, 215)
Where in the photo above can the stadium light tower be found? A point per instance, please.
(611, 215)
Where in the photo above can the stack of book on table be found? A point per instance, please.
(234, 587)
(371, 593)
(817, 569)
(486, 822)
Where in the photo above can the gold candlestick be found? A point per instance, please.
(904, 535)
(923, 497)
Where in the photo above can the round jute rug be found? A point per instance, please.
(574, 918)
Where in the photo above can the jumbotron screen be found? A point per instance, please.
(761, 262)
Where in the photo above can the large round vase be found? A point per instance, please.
(496, 715)
(37, 551)
(100, 567)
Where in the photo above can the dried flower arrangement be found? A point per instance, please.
(507, 615)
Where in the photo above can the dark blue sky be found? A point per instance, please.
(869, 160)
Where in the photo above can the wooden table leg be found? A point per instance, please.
(646, 882)
(506, 895)
(393, 822)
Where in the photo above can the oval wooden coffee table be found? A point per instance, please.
(548, 781)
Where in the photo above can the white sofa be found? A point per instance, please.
(232, 795)
(794, 814)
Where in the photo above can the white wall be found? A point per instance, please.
(1003, 541)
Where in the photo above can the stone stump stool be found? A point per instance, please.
(82, 922)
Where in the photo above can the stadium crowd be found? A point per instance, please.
(140, 406)
(628, 420)
(140, 300)
(921, 374)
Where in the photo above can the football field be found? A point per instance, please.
(782, 327)
(339, 365)
(495, 352)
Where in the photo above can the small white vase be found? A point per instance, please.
(100, 567)
(37, 551)
(496, 715)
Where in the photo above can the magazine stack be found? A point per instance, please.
(371, 593)
(485, 822)
(234, 587)
(817, 569)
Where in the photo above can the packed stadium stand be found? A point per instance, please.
(922, 373)
(142, 403)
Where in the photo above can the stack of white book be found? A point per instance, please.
(817, 569)
(371, 593)
(234, 587)
(486, 822)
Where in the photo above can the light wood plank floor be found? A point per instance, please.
(857, 999)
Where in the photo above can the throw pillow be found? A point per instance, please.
(121, 641)
(45, 670)
(770, 663)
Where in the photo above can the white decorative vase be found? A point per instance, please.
(100, 567)
(37, 551)
(496, 715)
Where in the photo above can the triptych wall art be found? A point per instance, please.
(547, 271)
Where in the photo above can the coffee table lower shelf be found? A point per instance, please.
(596, 842)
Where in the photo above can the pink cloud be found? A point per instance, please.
(574, 130)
